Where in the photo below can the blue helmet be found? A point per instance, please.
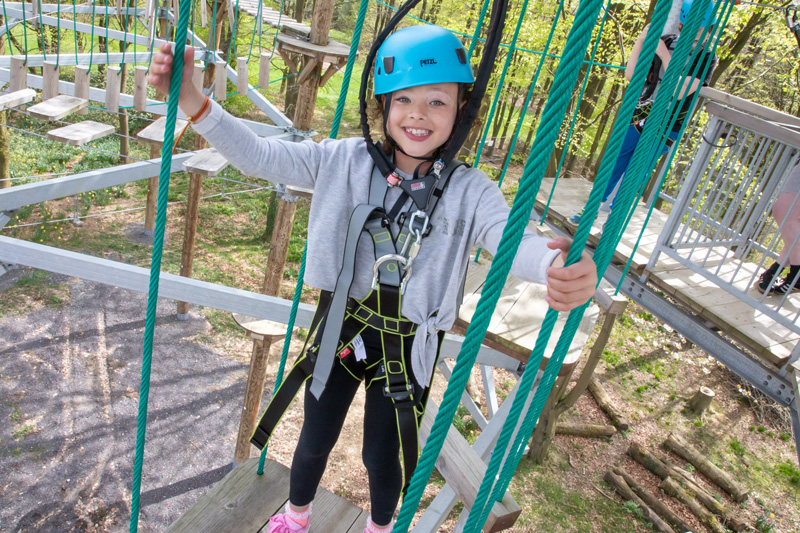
(708, 19)
(420, 55)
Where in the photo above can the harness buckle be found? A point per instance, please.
(399, 392)
(381, 260)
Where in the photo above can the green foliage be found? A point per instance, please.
(764, 524)
(788, 471)
(737, 447)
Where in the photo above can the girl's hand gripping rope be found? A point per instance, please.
(572, 286)
(191, 99)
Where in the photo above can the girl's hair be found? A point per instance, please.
(375, 113)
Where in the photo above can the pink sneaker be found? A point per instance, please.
(289, 522)
(372, 528)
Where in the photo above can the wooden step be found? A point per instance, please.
(16, 98)
(206, 162)
(80, 133)
(57, 107)
(259, 328)
(243, 502)
(154, 133)
(463, 469)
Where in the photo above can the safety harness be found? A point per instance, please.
(340, 320)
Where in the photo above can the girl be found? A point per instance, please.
(381, 312)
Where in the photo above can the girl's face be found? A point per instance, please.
(421, 120)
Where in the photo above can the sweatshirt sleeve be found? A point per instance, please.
(292, 163)
(533, 256)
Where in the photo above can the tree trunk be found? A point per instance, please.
(605, 403)
(5, 151)
(671, 487)
(652, 501)
(586, 430)
(758, 17)
(678, 445)
(625, 491)
(701, 400)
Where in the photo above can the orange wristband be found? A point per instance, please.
(189, 121)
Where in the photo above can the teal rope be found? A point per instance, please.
(91, 47)
(233, 30)
(41, 27)
(74, 30)
(475, 36)
(287, 339)
(8, 31)
(298, 290)
(58, 32)
(602, 257)
(155, 268)
(577, 111)
(259, 17)
(694, 96)
(348, 71)
(524, 109)
(565, 78)
(500, 84)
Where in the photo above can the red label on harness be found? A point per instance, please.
(344, 353)
(418, 186)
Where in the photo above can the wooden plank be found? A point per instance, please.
(198, 74)
(82, 86)
(360, 523)
(206, 162)
(259, 327)
(58, 107)
(50, 72)
(80, 133)
(463, 469)
(154, 133)
(13, 99)
(242, 501)
(140, 87)
(335, 514)
(752, 123)
(747, 106)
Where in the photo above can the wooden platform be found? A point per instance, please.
(274, 18)
(16, 98)
(518, 316)
(80, 133)
(58, 107)
(760, 333)
(207, 162)
(243, 502)
(154, 133)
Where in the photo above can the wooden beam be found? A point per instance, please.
(197, 77)
(189, 233)
(242, 83)
(68, 60)
(16, 98)
(57, 107)
(311, 64)
(221, 81)
(80, 133)
(18, 73)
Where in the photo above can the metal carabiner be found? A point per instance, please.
(418, 232)
(386, 258)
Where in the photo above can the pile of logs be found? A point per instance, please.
(679, 484)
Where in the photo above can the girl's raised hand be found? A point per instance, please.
(191, 98)
(572, 286)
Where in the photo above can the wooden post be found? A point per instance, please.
(35, 9)
(189, 232)
(256, 376)
(152, 195)
(49, 80)
(263, 71)
(140, 88)
(82, 86)
(242, 84)
(112, 89)
(18, 74)
(221, 81)
(203, 14)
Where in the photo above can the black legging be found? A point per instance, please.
(323, 423)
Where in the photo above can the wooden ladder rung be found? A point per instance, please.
(80, 133)
(243, 502)
(154, 133)
(16, 98)
(57, 107)
(206, 162)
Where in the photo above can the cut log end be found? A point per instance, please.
(701, 400)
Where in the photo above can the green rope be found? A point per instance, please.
(58, 32)
(577, 112)
(564, 80)
(256, 26)
(348, 71)
(91, 48)
(298, 290)
(475, 36)
(8, 31)
(74, 29)
(155, 268)
(108, 23)
(694, 96)
(41, 27)
(524, 109)
(232, 49)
